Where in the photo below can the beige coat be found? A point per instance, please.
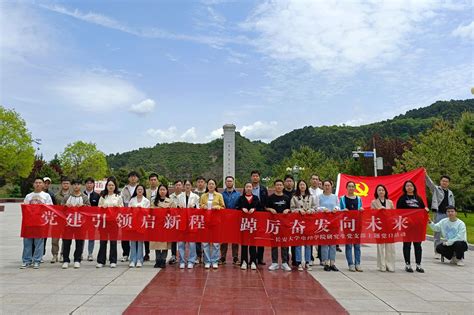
(167, 203)
(375, 204)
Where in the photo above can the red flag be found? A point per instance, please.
(365, 185)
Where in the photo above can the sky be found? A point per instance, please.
(130, 74)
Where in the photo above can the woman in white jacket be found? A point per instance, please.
(187, 200)
(138, 200)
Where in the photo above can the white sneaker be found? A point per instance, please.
(190, 265)
(113, 265)
(77, 265)
(24, 266)
(139, 264)
(207, 265)
(309, 267)
(65, 265)
(352, 268)
(437, 256)
(55, 259)
(215, 265)
(285, 267)
(36, 265)
(253, 266)
(182, 265)
(300, 267)
(244, 266)
(124, 258)
(460, 262)
(130, 265)
(273, 267)
(99, 265)
(90, 258)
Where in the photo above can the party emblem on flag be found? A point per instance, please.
(362, 190)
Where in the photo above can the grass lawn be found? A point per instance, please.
(468, 219)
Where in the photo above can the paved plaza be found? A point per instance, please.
(443, 289)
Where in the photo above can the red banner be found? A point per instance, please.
(365, 185)
(224, 226)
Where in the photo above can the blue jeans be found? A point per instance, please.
(28, 249)
(90, 246)
(350, 262)
(136, 252)
(208, 257)
(328, 253)
(307, 253)
(182, 250)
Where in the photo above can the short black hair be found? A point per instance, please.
(229, 176)
(65, 179)
(76, 181)
(178, 181)
(328, 181)
(289, 176)
(153, 175)
(40, 178)
(451, 208)
(314, 175)
(350, 182)
(445, 176)
(200, 178)
(255, 172)
(133, 173)
(89, 179)
(277, 181)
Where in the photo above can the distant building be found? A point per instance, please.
(229, 151)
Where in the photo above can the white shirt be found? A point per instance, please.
(40, 198)
(111, 201)
(144, 203)
(75, 201)
(193, 200)
(209, 201)
(315, 192)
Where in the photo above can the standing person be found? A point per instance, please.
(151, 193)
(302, 202)
(162, 201)
(315, 191)
(138, 200)
(75, 199)
(47, 183)
(231, 197)
(262, 193)
(289, 183)
(30, 256)
(94, 202)
(109, 197)
(351, 202)
(127, 193)
(442, 198)
(200, 190)
(386, 251)
(328, 202)
(178, 191)
(211, 200)
(248, 203)
(279, 203)
(411, 200)
(454, 231)
(188, 199)
(59, 197)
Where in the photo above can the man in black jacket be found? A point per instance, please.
(262, 193)
(94, 200)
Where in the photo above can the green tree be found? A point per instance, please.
(17, 154)
(81, 160)
(445, 149)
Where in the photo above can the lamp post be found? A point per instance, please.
(368, 154)
(295, 170)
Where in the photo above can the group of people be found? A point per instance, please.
(317, 196)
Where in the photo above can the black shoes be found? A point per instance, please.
(408, 268)
(327, 268)
(419, 269)
(261, 262)
(146, 257)
(334, 268)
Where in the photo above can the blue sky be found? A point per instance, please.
(129, 74)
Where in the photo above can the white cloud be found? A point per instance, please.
(144, 107)
(164, 135)
(339, 36)
(215, 134)
(189, 135)
(464, 31)
(95, 91)
(264, 131)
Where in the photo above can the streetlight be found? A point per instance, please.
(295, 170)
(367, 154)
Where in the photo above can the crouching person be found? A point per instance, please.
(454, 231)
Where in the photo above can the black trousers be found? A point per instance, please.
(407, 252)
(293, 255)
(174, 247)
(199, 250)
(102, 256)
(284, 254)
(458, 248)
(125, 248)
(147, 248)
(77, 251)
(260, 252)
(245, 254)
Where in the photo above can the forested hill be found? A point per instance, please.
(180, 160)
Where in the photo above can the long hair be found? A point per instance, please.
(105, 192)
(157, 198)
(405, 190)
(376, 195)
(136, 188)
(298, 191)
(215, 183)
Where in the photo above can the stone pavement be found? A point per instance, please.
(443, 289)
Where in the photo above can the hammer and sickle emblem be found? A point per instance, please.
(362, 190)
